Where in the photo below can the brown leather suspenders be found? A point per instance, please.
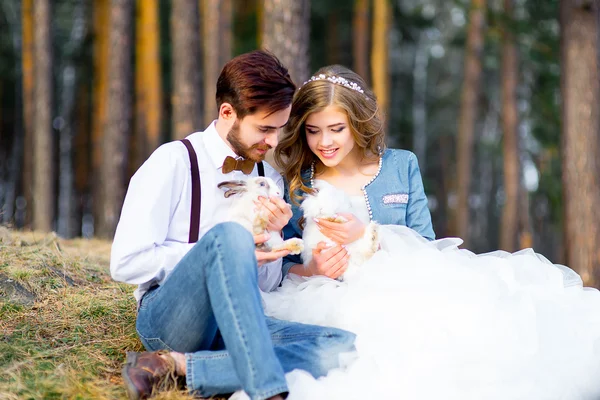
(196, 187)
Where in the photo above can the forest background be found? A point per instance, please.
(499, 99)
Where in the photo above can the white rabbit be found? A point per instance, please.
(244, 211)
(326, 204)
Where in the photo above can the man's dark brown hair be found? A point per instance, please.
(255, 81)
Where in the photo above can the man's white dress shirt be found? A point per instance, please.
(152, 234)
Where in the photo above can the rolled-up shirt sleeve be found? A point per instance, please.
(139, 252)
(269, 276)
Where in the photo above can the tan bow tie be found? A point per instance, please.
(231, 164)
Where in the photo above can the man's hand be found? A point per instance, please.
(264, 257)
(342, 232)
(331, 262)
(278, 211)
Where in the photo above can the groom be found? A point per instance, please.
(199, 307)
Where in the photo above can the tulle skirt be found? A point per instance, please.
(436, 322)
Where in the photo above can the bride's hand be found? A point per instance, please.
(331, 262)
(342, 232)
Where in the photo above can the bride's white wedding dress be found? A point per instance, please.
(436, 322)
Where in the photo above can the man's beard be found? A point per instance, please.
(235, 140)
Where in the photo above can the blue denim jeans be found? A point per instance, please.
(210, 308)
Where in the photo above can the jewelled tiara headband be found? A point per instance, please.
(337, 80)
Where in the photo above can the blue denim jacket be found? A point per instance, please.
(395, 197)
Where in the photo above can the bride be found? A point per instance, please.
(432, 321)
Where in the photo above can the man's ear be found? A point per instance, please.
(227, 113)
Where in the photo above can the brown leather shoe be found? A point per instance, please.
(147, 373)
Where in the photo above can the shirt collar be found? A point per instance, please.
(216, 147)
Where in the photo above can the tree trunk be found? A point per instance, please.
(580, 138)
(332, 45)
(484, 229)
(217, 42)
(13, 18)
(512, 182)
(525, 228)
(444, 184)
(28, 106)
(148, 87)
(43, 178)
(186, 98)
(226, 40)
(100, 99)
(118, 122)
(83, 161)
(285, 32)
(596, 9)
(212, 59)
(468, 115)
(1, 130)
(67, 211)
(245, 10)
(7, 212)
(380, 53)
(360, 38)
(419, 109)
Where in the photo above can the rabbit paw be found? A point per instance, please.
(335, 218)
(294, 245)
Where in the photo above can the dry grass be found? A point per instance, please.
(70, 342)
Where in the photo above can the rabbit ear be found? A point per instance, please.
(232, 187)
(231, 184)
(231, 192)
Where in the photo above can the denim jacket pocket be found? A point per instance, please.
(393, 213)
(394, 200)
